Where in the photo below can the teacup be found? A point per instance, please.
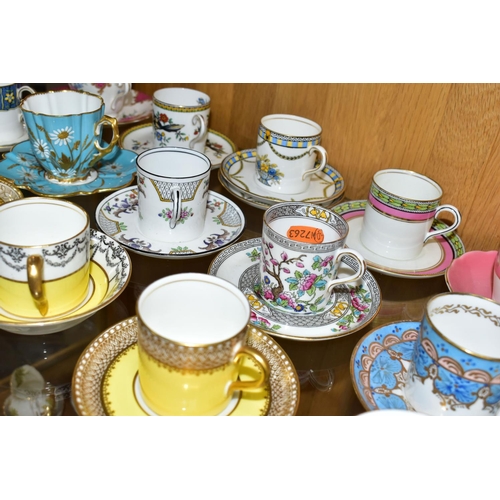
(114, 94)
(191, 337)
(11, 118)
(401, 208)
(44, 257)
(172, 188)
(64, 129)
(302, 246)
(180, 118)
(496, 279)
(288, 153)
(455, 366)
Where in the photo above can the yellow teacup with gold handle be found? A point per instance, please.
(191, 337)
(44, 258)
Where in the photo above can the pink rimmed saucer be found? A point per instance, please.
(437, 255)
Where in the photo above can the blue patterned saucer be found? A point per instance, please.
(379, 363)
(115, 171)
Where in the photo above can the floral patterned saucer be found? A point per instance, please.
(117, 216)
(105, 377)
(115, 171)
(238, 170)
(437, 255)
(140, 138)
(350, 309)
(379, 364)
(8, 192)
(110, 272)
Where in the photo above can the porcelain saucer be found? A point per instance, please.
(250, 200)
(117, 216)
(351, 308)
(8, 147)
(115, 171)
(379, 363)
(104, 377)
(110, 271)
(437, 254)
(238, 169)
(140, 138)
(138, 107)
(8, 192)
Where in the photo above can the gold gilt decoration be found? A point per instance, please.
(476, 311)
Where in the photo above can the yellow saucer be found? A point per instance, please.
(104, 377)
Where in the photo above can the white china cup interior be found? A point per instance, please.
(216, 310)
(180, 163)
(478, 334)
(180, 96)
(291, 125)
(408, 184)
(62, 103)
(40, 221)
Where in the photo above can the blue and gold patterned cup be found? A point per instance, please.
(11, 118)
(455, 367)
(65, 130)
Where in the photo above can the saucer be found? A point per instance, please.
(472, 272)
(238, 169)
(379, 363)
(8, 192)
(140, 138)
(104, 377)
(8, 147)
(437, 254)
(352, 307)
(117, 216)
(250, 200)
(110, 272)
(115, 171)
(138, 107)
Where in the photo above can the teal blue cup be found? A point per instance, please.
(65, 132)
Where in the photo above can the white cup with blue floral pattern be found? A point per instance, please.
(288, 153)
(455, 367)
(302, 247)
(65, 131)
(172, 186)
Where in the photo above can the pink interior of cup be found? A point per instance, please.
(472, 272)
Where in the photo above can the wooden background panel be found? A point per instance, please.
(449, 132)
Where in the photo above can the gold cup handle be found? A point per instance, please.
(240, 385)
(103, 151)
(34, 270)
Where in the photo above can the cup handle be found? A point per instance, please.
(321, 152)
(34, 270)
(352, 277)
(119, 101)
(203, 128)
(245, 385)
(176, 206)
(103, 151)
(458, 219)
(26, 88)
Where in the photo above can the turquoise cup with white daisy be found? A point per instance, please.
(65, 132)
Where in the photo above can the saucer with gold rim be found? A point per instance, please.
(116, 170)
(110, 272)
(8, 191)
(140, 138)
(105, 375)
(238, 170)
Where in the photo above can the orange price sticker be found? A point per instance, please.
(305, 234)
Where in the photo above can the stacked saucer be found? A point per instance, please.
(238, 175)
